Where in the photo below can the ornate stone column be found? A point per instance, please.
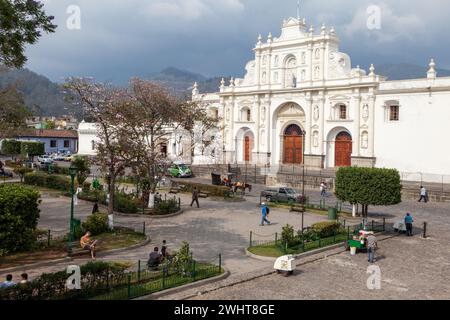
(322, 142)
(371, 100)
(356, 101)
(308, 117)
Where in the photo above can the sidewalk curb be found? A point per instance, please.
(36, 265)
(308, 253)
(68, 259)
(188, 286)
(264, 273)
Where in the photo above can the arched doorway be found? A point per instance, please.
(343, 150)
(293, 145)
(247, 143)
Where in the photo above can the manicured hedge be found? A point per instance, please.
(326, 228)
(32, 148)
(19, 214)
(96, 278)
(218, 191)
(50, 181)
(123, 203)
(96, 224)
(10, 147)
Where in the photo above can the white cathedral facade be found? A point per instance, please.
(302, 102)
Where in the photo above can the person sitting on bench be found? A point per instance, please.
(88, 244)
(154, 259)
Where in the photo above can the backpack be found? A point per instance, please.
(267, 210)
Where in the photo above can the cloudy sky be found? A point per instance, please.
(118, 39)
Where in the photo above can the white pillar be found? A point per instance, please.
(322, 143)
(372, 126)
(357, 130)
(308, 125)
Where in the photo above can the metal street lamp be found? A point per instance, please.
(72, 172)
(303, 177)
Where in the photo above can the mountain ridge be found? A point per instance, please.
(47, 97)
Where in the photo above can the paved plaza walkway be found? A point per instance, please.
(223, 227)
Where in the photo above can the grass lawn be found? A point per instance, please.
(122, 238)
(321, 212)
(25, 258)
(275, 251)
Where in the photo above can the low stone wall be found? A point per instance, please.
(433, 195)
(295, 181)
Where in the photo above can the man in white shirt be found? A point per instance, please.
(423, 194)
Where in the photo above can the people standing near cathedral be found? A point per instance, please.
(423, 194)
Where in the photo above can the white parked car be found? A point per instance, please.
(45, 159)
(58, 157)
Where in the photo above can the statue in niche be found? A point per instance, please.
(365, 140)
(228, 114)
(275, 63)
(316, 72)
(263, 114)
(365, 112)
(316, 139)
(316, 113)
(303, 57)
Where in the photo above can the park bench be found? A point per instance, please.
(204, 194)
(297, 207)
(174, 190)
(77, 251)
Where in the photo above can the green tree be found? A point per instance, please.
(19, 214)
(13, 112)
(49, 124)
(21, 23)
(32, 148)
(368, 186)
(83, 169)
(11, 148)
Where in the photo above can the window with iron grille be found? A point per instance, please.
(342, 112)
(394, 113)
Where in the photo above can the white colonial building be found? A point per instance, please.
(301, 101)
(301, 96)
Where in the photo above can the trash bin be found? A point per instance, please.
(353, 251)
(332, 213)
(216, 181)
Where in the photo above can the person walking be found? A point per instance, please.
(423, 194)
(409, 224)
(371, 246)
(95, 208)
(264, 214)
(323, 189)
(195, 193)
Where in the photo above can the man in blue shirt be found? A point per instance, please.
(409, 224)
(265, 212)
(8, 283)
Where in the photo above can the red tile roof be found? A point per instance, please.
(45, 133)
